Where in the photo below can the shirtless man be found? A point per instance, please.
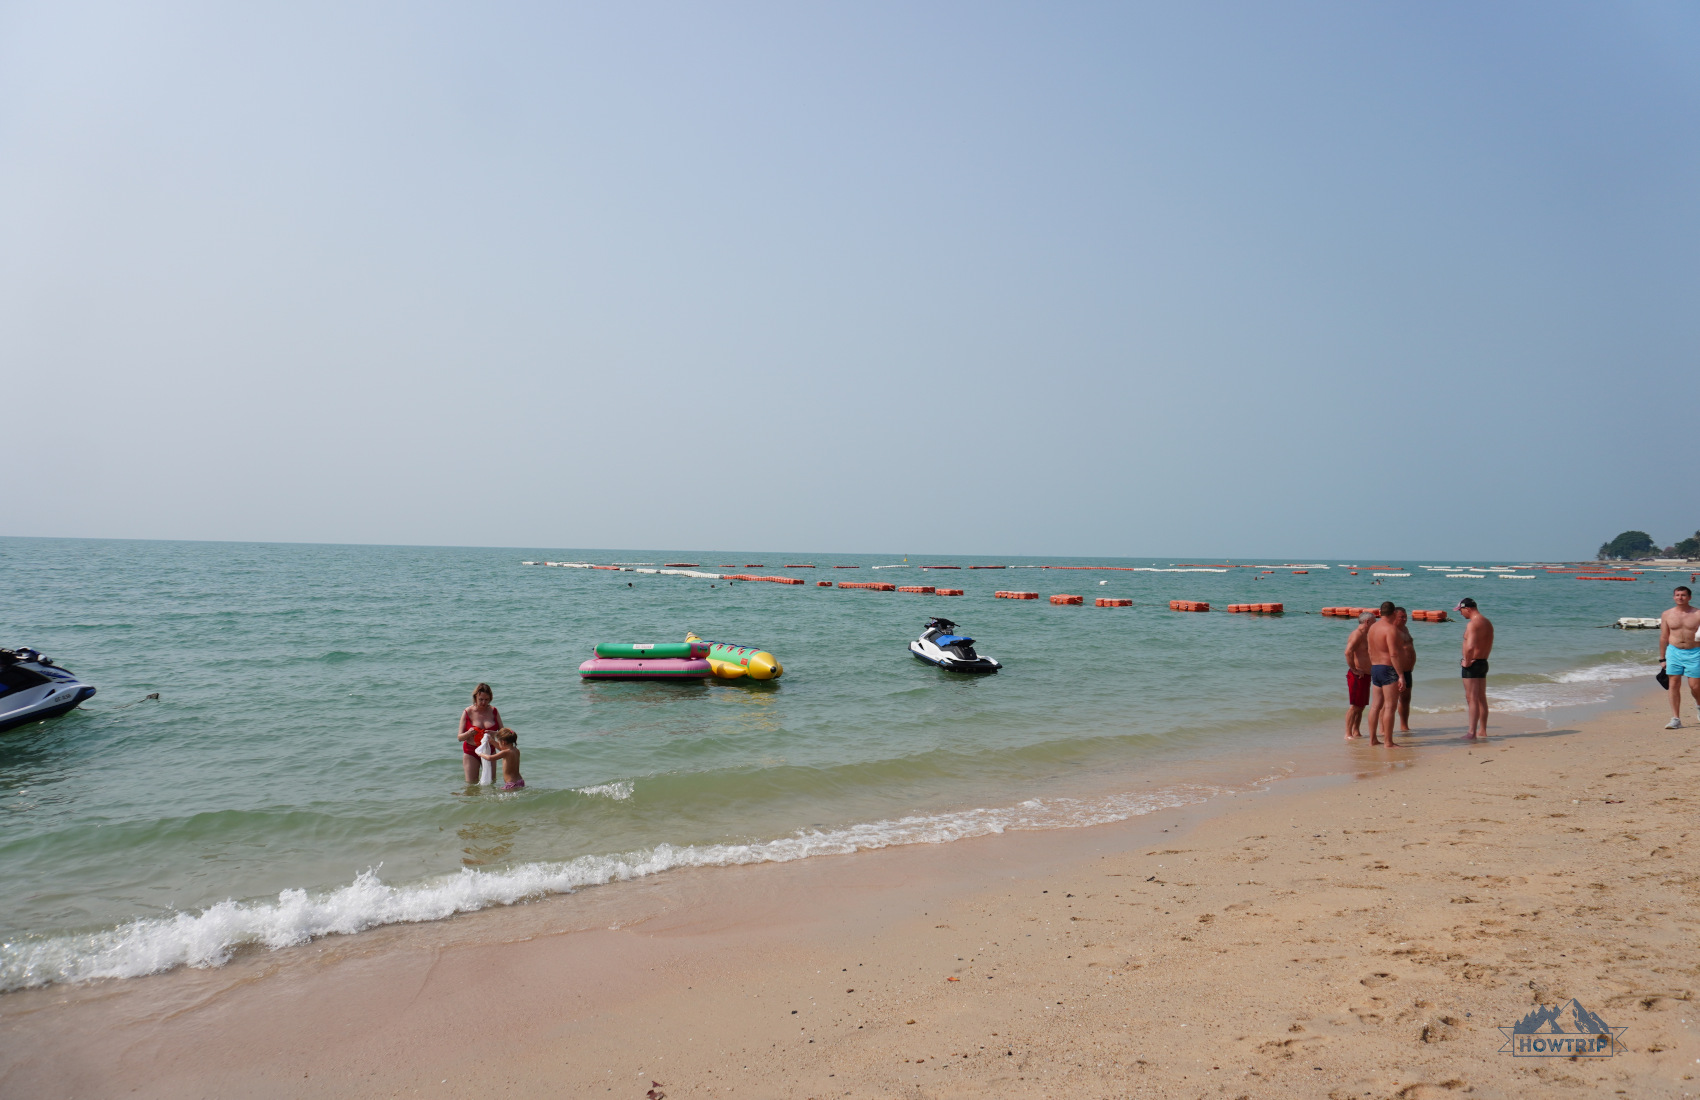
(1682, 652)
(1357, 676)
(1405, 660)
(1478, 643)
(1383, 674)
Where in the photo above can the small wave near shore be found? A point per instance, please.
(212, 936)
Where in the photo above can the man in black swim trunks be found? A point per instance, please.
(1478, 643)
(1383, 675)
(1405, 660)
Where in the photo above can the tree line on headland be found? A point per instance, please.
(1634, 545)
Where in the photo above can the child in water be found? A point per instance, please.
(505, 749)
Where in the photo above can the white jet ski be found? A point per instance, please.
(940, 645)
(32, 688)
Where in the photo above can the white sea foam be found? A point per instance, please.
(210, 937)
(1578, 687)
(619, 791)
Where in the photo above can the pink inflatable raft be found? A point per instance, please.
(646, 668)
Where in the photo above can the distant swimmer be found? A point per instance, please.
(1357, 676)
(1478, 643)
(1677, 628)
(1405, 660)
(476, 721)
(1383, 674)
(505, 748)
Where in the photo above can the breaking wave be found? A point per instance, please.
(211, 936)
(1578, 687)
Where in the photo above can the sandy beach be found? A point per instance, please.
(1363, 934)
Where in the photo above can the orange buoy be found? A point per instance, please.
(1103, 602)
(1061, 600)
(926, 589)
(1016, 595)
(823, 584)
(948, 592)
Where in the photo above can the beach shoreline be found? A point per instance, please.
(1219, 945)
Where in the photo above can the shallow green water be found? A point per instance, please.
(300, 766)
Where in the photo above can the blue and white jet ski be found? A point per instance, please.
(940, 645)
(32, 688)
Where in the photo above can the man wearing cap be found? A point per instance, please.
(1677, 627)
(1478, 643)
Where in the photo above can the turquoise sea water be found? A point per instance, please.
(299, 774)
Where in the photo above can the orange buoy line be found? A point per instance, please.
(1122, 568)
(1259, 608)
(1015, 595)
(941, 567)
(758, 577)
(798, 567)
(680, 564)
(1102, 601)
(823, 584)
(1350, 612)
(1430, 616)
(847, 567)
(1188, 605)
(1631, 579)
(948, 592)
(872, 586)
(1065, 600)
(924, 589)
(988, 567)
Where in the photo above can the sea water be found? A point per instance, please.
(299, 774)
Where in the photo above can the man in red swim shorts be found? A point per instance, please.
(1357, 676)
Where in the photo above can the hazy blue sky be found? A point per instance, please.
(1318, 280)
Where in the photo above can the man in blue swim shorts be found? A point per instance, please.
(1677, 627)
(1383, 674)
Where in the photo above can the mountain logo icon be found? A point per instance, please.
(1568, 1030)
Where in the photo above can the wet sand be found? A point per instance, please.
(1351, 935)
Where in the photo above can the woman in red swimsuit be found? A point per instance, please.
(475, 721)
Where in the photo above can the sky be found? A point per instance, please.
(1308, 280)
